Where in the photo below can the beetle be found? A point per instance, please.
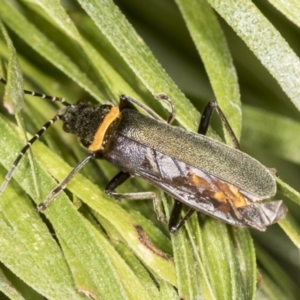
(198, 171)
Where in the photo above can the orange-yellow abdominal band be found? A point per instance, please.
(99, 136)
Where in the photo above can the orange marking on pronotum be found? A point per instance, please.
(99, 136)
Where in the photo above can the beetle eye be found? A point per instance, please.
(66, 128)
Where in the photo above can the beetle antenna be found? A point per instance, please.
(25, 148)
(40, 95)
(37, 135)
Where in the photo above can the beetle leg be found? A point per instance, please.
(175, 216)
(127, 102)
(205, 120)
(164, 97)
(122, 177)
(62, 185)
(174, 223)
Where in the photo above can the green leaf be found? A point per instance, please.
(268, 289)
(25, 241)
(292, 229)
(290, 8)
(39, 42)
(167, 292)
(279, 135)
(266, 43)
(212, 47)
(270, 265)
(104, 71)
(136, 54)
(8, 289)
(14, 88)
